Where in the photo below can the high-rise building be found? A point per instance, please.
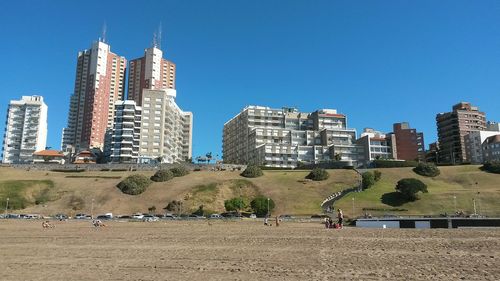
(25, 130)
(125, 136)
(284, 137)
(151, 71)
(453, 126)
(409, 143)
(99, 83)
(166, 130)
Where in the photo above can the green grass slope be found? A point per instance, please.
(464, 182)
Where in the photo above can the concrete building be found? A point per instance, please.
(453, 127)
(377, 145)
(493, 126)
(150, 72)
(408, 143)
(25, 130)
(125, 136)
(284, 137)
(474, 144)
(491, 149)
(99, 83)
(166, 130)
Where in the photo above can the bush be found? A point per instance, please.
(179, 171)
(174, 206)
(252, 171)
(234, 204)
(426, 169)
(134, 184)
(260, 207)
(162, 175)
(368, 179)
(199, 211)
(377, 175)
(318, 174)
(409, 188)
(393, 164)
(492, 167)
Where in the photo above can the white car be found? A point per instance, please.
(216, 216)
(138, 216)
(150, 218)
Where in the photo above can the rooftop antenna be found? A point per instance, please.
(104, 33)
(155, 43)
(159, 36)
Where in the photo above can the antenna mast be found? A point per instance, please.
(104, 27)
(159, 36)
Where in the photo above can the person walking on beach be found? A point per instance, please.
(277, 220)
(340, 216)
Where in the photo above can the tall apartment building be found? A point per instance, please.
(25, 130)
(453, 127)
(166, 130)
(377, 145)
(408, 143)
(125, 136)
(284, 137)
(99, 83)
(151, 71)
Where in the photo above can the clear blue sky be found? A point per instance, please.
(379, 62)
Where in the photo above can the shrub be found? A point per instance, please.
(409, 188)
(260, 207)
(393, 164)
(318, 174)
(174, 206)
(179, 171)
(252, 171)
(134, 184)
(162, 175)
(426, 169)
(199, 211)
(234, 204)
(377, 174)
(368, 179)
(492, 167)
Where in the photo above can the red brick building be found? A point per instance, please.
(409, 142)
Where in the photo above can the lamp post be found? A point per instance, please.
(268, 207)
(455, 203)
(92, 208)
(353, 207)
(7, 205)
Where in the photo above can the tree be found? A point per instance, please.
(492, 167)
(252, 171)
(337, 157)
(199, 211)
(260, 206)
(209, 157)
(134, 184)
(368, 179)
(377, 175)
(234, 204)
(174, 206)
(162, 175)
(427, 170)
(318, 174)
(409, 187)
(152, 209)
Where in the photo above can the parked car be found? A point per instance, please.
(82, 217)
(286, 217)
(12, 216)
(150, 218)
(137, 216)
(61, 217)
(215, 216)
(231, 215)
(125, 217)
(107, 216)
(169, 217)
(196, 217)
(32, 216)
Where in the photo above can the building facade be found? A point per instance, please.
(166, 131)
(25, 130)
(377, 145)
(474, 145)
(408, 143)
(151, 71)
(453, 127)
(125, 136)
(99, 83)
(286, 137)
(491, 149)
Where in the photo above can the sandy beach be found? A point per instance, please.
(243, 251)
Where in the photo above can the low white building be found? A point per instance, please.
(25, 130)
(377, 145)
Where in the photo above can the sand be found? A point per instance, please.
(243, 251)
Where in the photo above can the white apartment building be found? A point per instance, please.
(284, 137)
(491, 149)
(166, 130)
(473, 144)
(377, 145)
(125, 136)
(25, 130)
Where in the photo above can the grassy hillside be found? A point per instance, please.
(463, 182)
(74, 192)
(52, 192)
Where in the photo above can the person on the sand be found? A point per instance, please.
(330, 223)
(277, 220)
(266, 221)
(340, 216)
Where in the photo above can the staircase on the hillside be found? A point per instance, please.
(328, 202)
